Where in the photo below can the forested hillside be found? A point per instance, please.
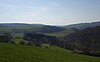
(86, 41)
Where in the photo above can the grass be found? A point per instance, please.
(21, 28)
(18, 53)
(65, 32)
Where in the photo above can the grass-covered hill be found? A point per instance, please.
(20, 53)
(40, 43)
(82, 26)
(44, 29)
(86, 41)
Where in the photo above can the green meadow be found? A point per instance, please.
(22, 53)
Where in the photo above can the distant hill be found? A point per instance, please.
(83, 25)
(50, 29)
(19, 24)
(45, 29)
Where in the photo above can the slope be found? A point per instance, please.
(17, 53)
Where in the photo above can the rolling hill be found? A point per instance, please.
(82, 26)
(86, 41)
(21, 53)
(45, 29)
(19, 24)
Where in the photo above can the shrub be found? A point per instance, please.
(22, 42)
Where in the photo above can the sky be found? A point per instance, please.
(52, 12)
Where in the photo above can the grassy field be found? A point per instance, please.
(18, 53)
(66, 31)
(22, 28)
(61, 33)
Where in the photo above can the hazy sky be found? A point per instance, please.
(58, 12)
